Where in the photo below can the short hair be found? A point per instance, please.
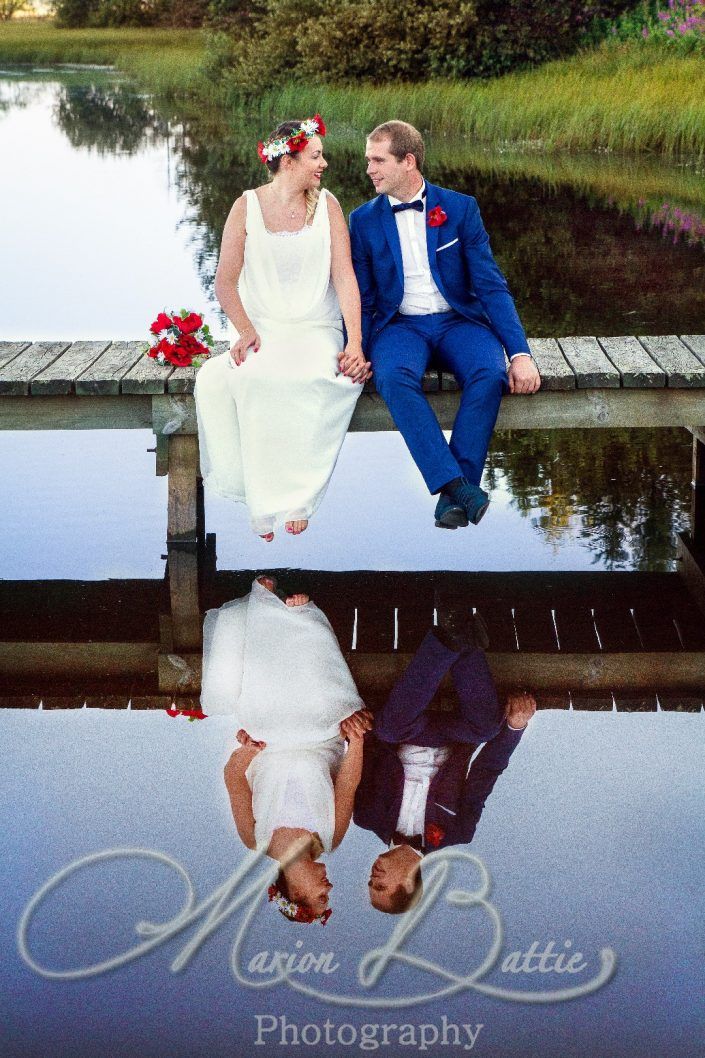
(403, 139)
(401, 900)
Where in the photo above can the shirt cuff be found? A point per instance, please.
(516, 728)
(520, 354)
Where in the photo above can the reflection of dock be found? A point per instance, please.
(571, 637)
(587, 382)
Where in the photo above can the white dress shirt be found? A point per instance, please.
(421, 764)
(421, 295)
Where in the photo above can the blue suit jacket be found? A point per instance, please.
(456, 796)
(461, 261)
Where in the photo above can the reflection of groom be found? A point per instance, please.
(416, 792)
(431, 291)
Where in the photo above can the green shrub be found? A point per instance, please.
(391, 40)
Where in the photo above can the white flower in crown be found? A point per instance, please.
(276, 149)
(309, 127)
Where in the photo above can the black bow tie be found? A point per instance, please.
(416, 204)
(405, 839)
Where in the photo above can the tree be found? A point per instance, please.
(8, 8)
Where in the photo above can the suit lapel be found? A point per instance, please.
(391, 232)
(432, 200)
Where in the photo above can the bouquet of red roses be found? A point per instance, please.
(180, 339)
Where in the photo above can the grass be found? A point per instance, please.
(636, 96)
(167, 61)
(626, 97)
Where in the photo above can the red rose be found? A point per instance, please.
(161, 323)
(260, 151)
(434, 835)
(436, 217)
(189, 323)
(321, 124)
(178, 356)
(297, 143)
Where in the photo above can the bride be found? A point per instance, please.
(273, 415)
(276, 667)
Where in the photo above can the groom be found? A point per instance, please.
(432, 292)
(417, 793)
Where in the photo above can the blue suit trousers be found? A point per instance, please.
(401, 354)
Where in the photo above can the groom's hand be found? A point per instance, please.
(524, 375)
(353, 364)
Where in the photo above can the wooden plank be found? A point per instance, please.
(174, 414)
(68, 661)
(75, 413)
(592, 368)
(692, 567)
(576, 629)
(595, 702)
(375, 628)
(20, 701)
(596, 408)
(17, 373)
(500, 625)
(103, 377)
(683, 367)
(9, 350)
(146, 376)
(535, 629)
(556, 373)
(628, 701)
(657, 630)
(180, 673)
(184, 378)
(186, 619)
(674, 701)
(59, 378)
(63, 701)
(182, 521)
(696, 344)
(107, 701)
(616, 629)
(637, 369)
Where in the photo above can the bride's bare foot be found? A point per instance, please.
(296, 527)
(267, 582)
(268, 537)
(297, 600)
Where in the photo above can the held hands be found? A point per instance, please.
(249, 339)
(353, 364)
(353, 728)
(524, 375)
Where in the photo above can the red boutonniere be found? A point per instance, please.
(436, 217)
(434, 835)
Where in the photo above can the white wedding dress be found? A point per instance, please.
(270, 430)
(278, 670)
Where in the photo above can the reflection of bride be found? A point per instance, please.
(277, 668)
(273, 415)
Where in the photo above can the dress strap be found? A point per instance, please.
(253, 216)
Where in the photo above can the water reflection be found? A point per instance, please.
(591, 244)
(108, 119)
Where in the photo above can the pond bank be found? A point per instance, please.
(627, 97)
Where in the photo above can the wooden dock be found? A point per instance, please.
(628, 381)
(625, 636)
(590, 640)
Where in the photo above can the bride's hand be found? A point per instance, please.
(249, 339)
(353, 364)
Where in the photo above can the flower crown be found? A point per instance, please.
(294, 142)
(296, 912)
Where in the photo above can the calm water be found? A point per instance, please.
(117, 210)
